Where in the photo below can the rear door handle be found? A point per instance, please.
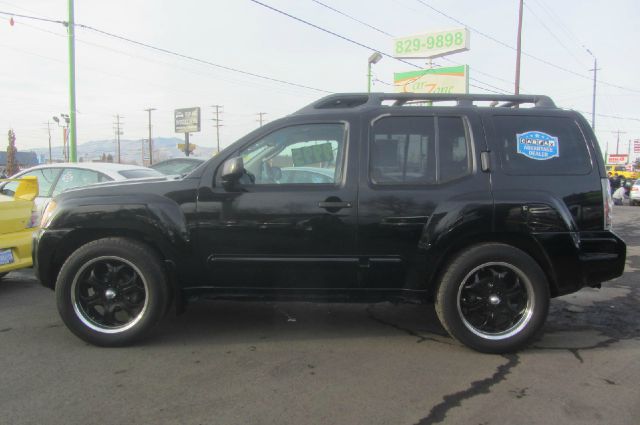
(334, 204)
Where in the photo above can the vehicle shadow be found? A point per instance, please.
(227, 322)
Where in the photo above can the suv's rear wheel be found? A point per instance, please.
(112, 291)
(493, 298)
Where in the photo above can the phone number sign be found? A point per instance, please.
(432, 45)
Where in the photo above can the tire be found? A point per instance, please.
(112, 292)
(493, 298)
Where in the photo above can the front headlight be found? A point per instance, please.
(47, 214)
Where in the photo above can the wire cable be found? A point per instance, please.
(170, 52)
(502, 43)
(357, 43)
(352, 18)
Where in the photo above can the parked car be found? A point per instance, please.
(177, 166)
(311, 175)
(54, 179)
(17, 223)
(634, 193)
(488, 211)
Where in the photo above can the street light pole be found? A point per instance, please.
(374, 58)
(519, 48)
(72, 85)
(593, 102)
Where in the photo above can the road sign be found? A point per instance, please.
(636, 146)
(187, 120)
(617, 159)
(192, 147)
(454, 79)
(432, 45)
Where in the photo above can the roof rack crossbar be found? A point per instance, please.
(357, 100)
(539, 101)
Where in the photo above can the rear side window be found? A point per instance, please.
(419, 150)
(541, 146)
(46, 177)
(77, 177)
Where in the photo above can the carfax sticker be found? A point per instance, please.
(538, 145)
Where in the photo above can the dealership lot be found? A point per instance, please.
(292, 363)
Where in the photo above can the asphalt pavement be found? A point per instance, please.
(303, 363)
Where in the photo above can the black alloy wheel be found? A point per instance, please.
(109, 294)
(112, 291)
(493, 298)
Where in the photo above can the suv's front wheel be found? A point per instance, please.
(493, 298)
(112, 291)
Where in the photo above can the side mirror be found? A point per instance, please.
(232, 170)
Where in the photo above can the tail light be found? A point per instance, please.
(34, 220)
(607, 202)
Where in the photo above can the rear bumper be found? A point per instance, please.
(602, 257)
(583, 259)
(20, 245)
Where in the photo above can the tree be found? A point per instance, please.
(12, 163)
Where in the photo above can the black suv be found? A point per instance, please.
(487, 205)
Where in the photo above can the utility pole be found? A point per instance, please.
(618, 132)
(150, 139)
(260, 117)
(49, 131)
(119, 133)
(519, 48)
(593, 102)
(73, 154)
(217, 124)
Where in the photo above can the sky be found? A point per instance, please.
(114, 76)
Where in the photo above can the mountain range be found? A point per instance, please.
(130, 150)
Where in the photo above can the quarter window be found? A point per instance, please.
(568, 156)
(301, 154)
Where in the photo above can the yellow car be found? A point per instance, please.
(17, 223)
(621, 170)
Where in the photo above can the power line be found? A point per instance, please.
(553, 34)
(170, 52)
(443, 58)
(352, 18)
(559, 22)
(502, 43)
(357, 43)
(34, 18)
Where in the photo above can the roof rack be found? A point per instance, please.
(357, 100)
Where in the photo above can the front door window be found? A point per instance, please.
(302, 154)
